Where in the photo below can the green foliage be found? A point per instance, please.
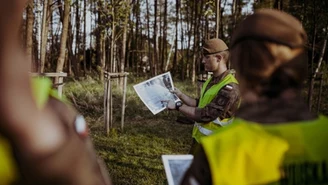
(132, 156)
(210, 11)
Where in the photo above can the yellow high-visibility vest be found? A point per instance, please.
(247, 153)
(204, 129)
(8, 168)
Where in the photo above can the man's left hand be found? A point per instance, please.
(169, 104)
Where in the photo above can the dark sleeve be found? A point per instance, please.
(197, 102)
(224, 105)
(199, 171)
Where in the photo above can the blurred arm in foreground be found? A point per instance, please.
(48, 143)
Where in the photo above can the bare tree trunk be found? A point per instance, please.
(316, 72)
(150, 59)
(36, 49)
(134, 55)
(314, 36)
(321, 56)
(218, 18)
(190, 32)
(164, 43)
(313, 48)
(103, 56)
(155, 57)
(112, 44)
(60, 9)
(63, 40)
(38, 35)
(84, 37)
(29, 35)
(52, 55)
(134, 41)
(44, 35)
(93, 23)
(195, 47)
(139, 36)
(175, 60)
(100, 42)
(221, 32)
(69, 47)
(124, 41)
(160, 35)
(236, 12)
(183, 66)
(200, 27)
(233, 13)
(206, 30)
(77, 40)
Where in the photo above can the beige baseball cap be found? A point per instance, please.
(213, 46)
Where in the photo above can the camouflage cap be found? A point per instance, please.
(271, 25)
(213, 46)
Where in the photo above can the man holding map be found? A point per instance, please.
(219, 98)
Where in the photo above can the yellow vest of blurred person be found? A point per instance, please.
(205, 129)
(41, 89)
(247, 153)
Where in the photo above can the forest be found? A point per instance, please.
(90, 38)
(148, 36)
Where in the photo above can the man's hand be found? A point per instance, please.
(177, 92)
(169, 104)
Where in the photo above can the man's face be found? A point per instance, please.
(211, 62)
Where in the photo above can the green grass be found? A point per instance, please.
(132, 156)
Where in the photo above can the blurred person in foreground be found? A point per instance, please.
(219, 98)
(274, 138)
(42, 139)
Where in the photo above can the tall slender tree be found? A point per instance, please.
(218, 17)
(150, 58)
(100, 40)
(44, 35)
(155, 41)
(29, 35)
(63, 40)
(175, 60)
(77, 39)
(84, 36)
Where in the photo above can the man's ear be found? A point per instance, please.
(219, 57)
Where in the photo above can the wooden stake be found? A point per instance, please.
(108, 105)
(123, 101)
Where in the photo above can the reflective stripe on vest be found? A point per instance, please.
(204, 129)
(217, 121)
(223, 122)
